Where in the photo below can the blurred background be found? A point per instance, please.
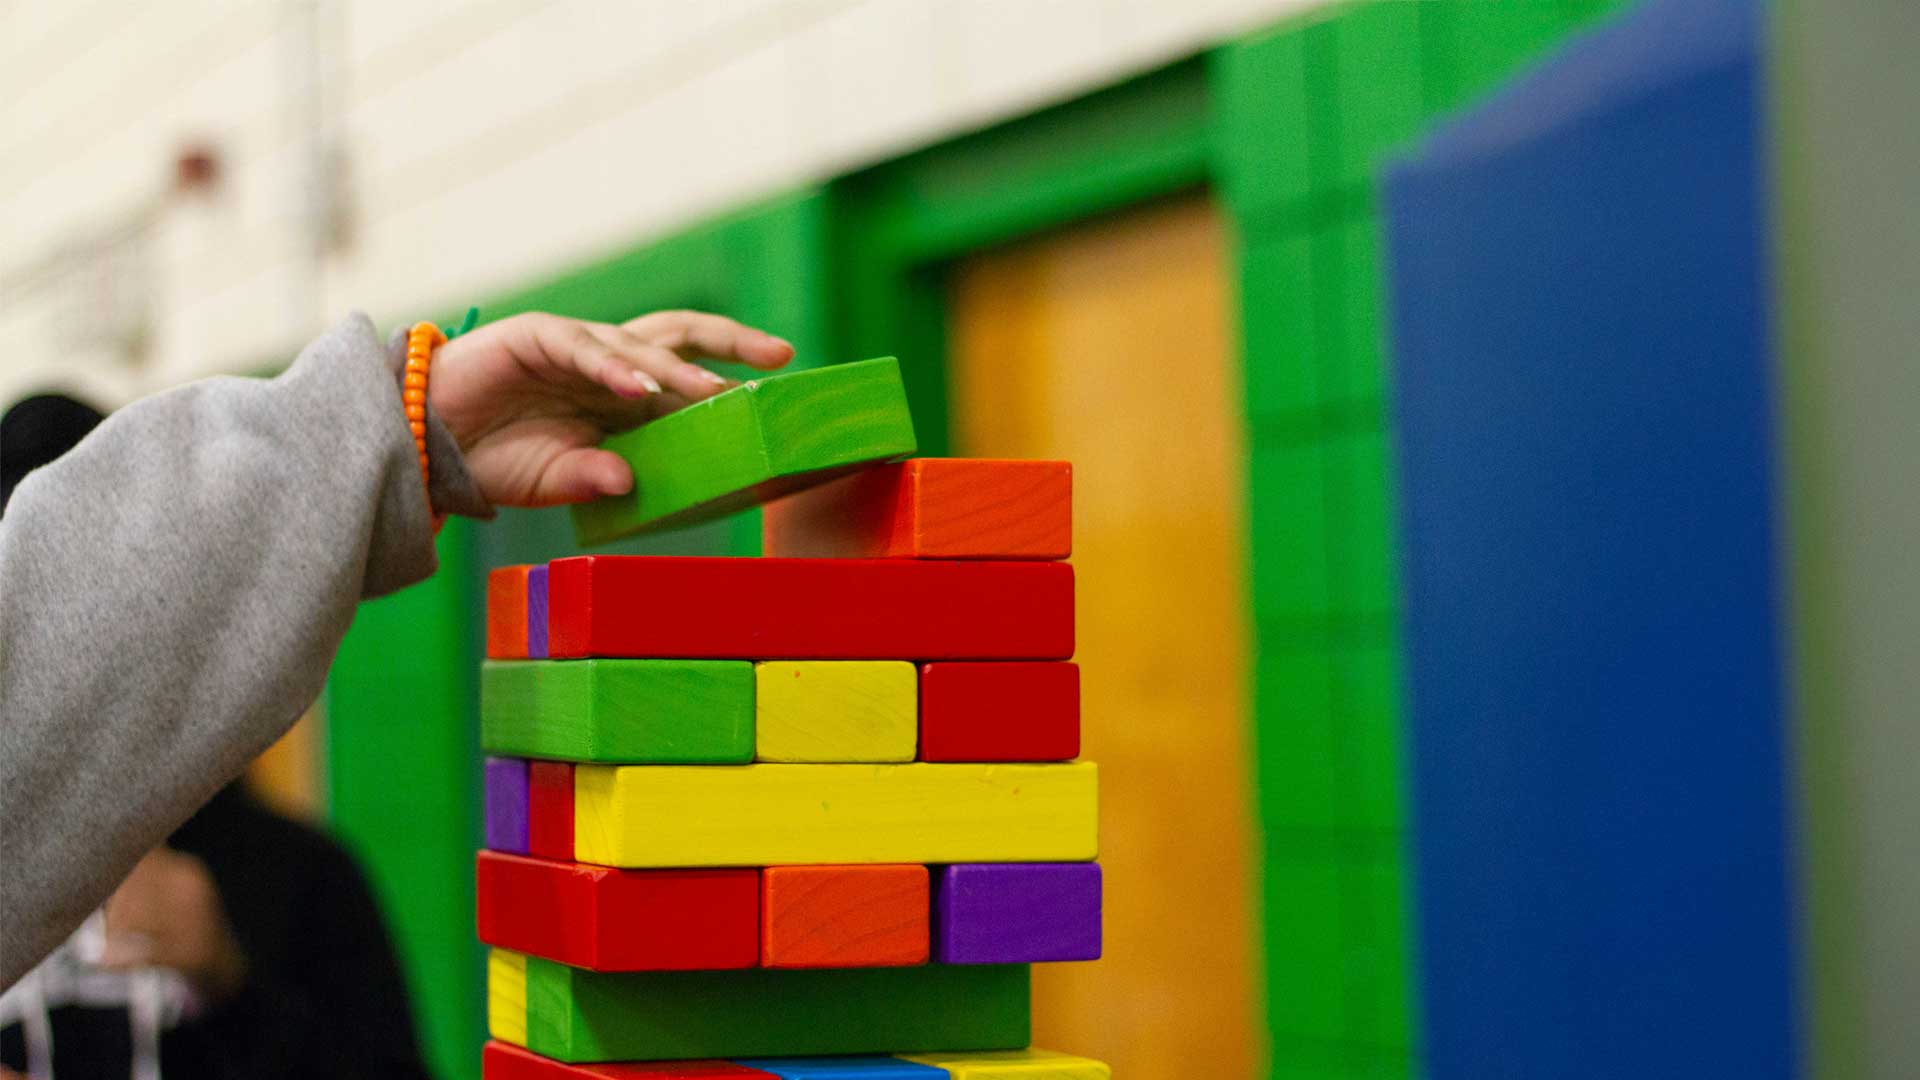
(1149, 237)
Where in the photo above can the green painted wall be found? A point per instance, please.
(1305, 114)
(1288, 126)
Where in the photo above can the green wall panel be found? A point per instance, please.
(1278, 326)
(1287, 513)
(1362, 569)
(1347, 262)
(1382, 982)
(1378, 104)
(1304, 897)
(1264, 145)
(402, 747)
(1304, 115)
(1293, 696)
(1366, 684)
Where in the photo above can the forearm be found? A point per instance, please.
(171, 593)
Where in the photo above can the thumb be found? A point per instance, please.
(582, 474)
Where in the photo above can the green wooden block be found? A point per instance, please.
(619, 711)
(575, 1015)
(1288, 516)
(1277, 325)
(1366, 692)
(755, 442)
(1301, 775)
(1306, 947)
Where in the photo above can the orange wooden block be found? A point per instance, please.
(843, 916)
(930, 508)
(507, 612)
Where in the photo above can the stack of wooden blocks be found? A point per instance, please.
(803, 816)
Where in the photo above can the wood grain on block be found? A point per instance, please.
(834, 710)
(930, 508)
(506, 804)
(507, 612)
(1028, 1064)
(550, 803)
(507, 996)
(1006, 711)
(1016, 913)
(576, 1015)
(843, 916)
(867, 1067)
(504, 1061)
(809, 609)
(619, 920)
(760, 440)
(537, 612)
(770, 815)
(619, 711)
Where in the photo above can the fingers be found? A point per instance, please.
(694, 334)
(582, 474)
(666, 368)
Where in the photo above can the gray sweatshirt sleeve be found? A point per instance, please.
(171, 594)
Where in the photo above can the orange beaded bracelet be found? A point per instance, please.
(421, 341)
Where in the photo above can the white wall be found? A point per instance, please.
(486, 142)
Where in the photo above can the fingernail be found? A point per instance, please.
(784, 343)
(647, 381)
(713, 377)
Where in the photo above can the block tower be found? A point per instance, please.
(808, 816)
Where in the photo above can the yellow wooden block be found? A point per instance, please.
(836, 711)
(507, 996)
(772, 815)
(1014, 1065)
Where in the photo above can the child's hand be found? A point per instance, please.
(529, 398)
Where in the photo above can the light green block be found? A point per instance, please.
(753, 443)
(619, 711)
(575, 1015)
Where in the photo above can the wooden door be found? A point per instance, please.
(1109, 345)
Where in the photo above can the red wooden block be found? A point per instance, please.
(999, 712)
(507, 612)
(808, 609)
(504, 1061)
(550, 810)
(844, 916)
(930, 508)
(620, 920)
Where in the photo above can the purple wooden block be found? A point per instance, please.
(537, 613)
(1016, 913)
(507, 804)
